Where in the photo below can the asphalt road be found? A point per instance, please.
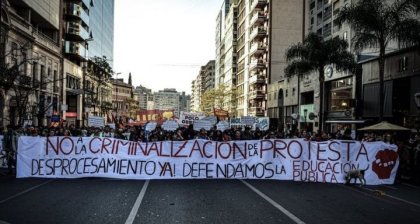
(97, 200)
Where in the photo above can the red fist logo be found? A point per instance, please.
(384, 163)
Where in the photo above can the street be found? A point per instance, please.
(101, 200)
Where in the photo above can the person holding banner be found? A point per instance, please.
(178, 136)
(202, 134)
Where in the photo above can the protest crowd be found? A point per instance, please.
(408, 145)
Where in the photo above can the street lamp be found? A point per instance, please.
(84, 110)
(116, 96)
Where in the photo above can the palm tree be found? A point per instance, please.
(376, 23)
(313, 54)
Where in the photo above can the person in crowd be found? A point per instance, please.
(237, 136)
(202, 134)
(218, 136)
(227, 136)
(178, 135)
(8, 146)
(107, 132)
(346, 135)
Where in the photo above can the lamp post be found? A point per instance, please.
(305, 113)
(116, 96)
(84, 110)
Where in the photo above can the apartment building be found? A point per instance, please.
(144, 95)
(204, 81)
(122, 97)
(30, 43)
(226, 55)
(167, 99)
(251, 40)
(88, 33)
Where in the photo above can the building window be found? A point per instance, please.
(345, 35)
(340, 94)
(403, 62)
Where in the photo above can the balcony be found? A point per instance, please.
(257, 64)
(75, 49)
(257, 79)
(258, 4)
(258, 33)
(76, 11)
(256, 111)
(257, 49)
(87, 3)
(258, 18)
(76, 31)
(257, 94)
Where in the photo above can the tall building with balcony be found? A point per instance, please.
(167, 99)
(226, 55)
(30, 42)
(264, 30)
(353, 99)
(204, 81)
(88, 33)
(209, 76)
(184, 102)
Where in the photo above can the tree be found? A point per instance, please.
(14, 82)
(219, 97)
(376, 23)
(313, 54)
(102, 71)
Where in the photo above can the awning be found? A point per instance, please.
(345, 121)
(384, 126)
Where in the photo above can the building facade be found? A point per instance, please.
(30, 61)
(167, 99)
(226, 55)
(88, 42)
(144, 95)
(184, 102)
(250, 46)
(204, 81)
(122, 99)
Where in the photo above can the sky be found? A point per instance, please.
(163, 43)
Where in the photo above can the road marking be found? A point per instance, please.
(390, 196)
(24, 192)
(410, 185)
(136, 205)
(275, 204)
(393, 188)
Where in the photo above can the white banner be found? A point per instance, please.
(223, 125)
(150, 126)
(247, 120)
(170, 125)
(211, 119)
(207, 125)
(280, 159)
(187, 118)
(95, 121)
(263, 123)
